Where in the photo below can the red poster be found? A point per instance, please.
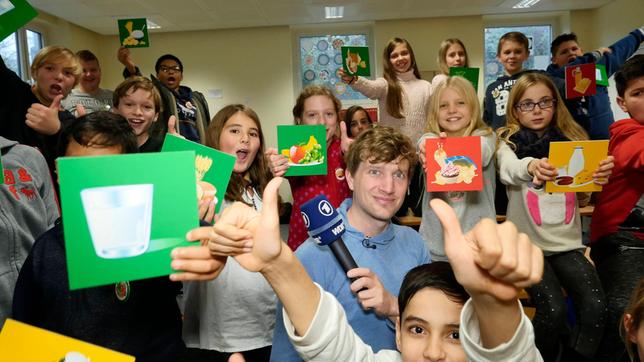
(454, 164)
(580, 80)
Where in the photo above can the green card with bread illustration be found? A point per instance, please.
(305, 148)
(133, 33)
(355, 61)
(213, 167)
(123, 214)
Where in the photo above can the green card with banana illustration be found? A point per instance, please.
(212, 166)
(304, 146)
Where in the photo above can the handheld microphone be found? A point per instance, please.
(325, 226)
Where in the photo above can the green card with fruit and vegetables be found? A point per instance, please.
(305, 148)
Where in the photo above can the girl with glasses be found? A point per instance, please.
(535, 117)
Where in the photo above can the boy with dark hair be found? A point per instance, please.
(189, 107)
(593, 113)
(28, 207)
(141, 317)
(617, 226)
(88, 95)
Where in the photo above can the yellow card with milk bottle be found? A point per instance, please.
(575, 162)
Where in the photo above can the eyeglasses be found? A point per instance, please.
(165, 69)
(528, 106)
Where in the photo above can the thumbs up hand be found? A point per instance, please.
(172, 127)
(345, 140)
(490, 260)
(44, 119)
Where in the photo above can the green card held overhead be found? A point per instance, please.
(133, 33)
(13, 15)
(213, 168)
(305, 148)
(125, 214)
(471, 74)
(355, 61)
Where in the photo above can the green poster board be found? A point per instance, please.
(471, 74)
(305, 148)
(133, 33)
(213, 167)
(355, 61)
(13, 15)
(123, 214)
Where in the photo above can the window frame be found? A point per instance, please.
(24, 63)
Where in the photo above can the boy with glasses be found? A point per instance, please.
(189, 107)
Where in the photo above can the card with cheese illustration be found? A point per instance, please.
(576, 161)
(133, 33)
(355, 61)
(454, 164)
(22, 342)
(580, 80)
(213, 167)
(305, 148)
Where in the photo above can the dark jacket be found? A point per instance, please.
(594, 112)
(146, 325)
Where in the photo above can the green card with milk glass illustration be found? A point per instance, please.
(213, 167)
(305, 148)
(123, 214)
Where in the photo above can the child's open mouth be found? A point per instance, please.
(242, 155)
(56, 89)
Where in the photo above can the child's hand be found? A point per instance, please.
(277, 163)
(124, 56)
(207, 210)
(172, 127)
(44, 119)
(605, 169)
(196, 263)
(542, 171)
(348, 79)
(491, 259)
(345, 140)
(223, 239)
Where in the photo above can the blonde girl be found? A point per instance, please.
(452, 53)
(315, 105)
(236, 311)
(537, 116)
(402, 95)
(455, 112)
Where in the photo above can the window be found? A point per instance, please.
(19, 49)
(320, 58)
(540, 37)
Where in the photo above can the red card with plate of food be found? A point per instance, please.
(454, 164)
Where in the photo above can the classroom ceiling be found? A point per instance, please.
(185, 15)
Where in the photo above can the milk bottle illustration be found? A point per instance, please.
(576, 163)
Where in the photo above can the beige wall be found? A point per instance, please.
(59, 31)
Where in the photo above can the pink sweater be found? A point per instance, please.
(416, 93)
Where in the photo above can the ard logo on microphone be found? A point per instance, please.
(325, 208)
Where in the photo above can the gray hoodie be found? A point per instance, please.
(28, 208)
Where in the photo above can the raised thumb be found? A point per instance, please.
(172, 124)
(55, 104)
(451, 226)
(270, 207)
(80, 110)
(343, 130)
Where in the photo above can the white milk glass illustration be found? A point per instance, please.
(119, 219)
(576, 163)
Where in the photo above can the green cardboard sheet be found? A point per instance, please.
(305, 148)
